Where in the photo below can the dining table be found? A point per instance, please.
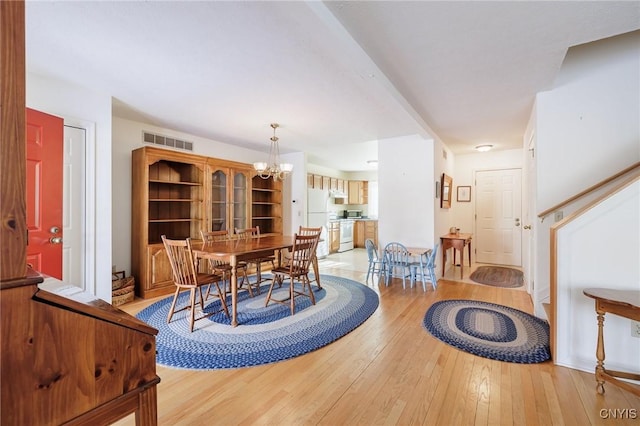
(234, 251)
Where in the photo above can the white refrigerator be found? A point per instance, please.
(318, 216)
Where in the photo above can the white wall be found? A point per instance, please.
(406, 190)
(587, 258)
(443, 162)
(587, 129)
(589, 124)
(294, 188)
(80, 104)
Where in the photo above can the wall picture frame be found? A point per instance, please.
(464, 194)
(446, 190)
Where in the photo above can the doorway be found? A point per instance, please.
(73, 218)
(498, 217)
(73, 198)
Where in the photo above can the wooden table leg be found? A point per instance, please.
(444, 260)
(469, 254)
(462, 262)
(316, 270)
(600, 354)
(234, 292)
(147, 412)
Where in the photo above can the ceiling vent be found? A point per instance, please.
(166, 141)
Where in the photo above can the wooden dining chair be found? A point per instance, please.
(221, 267)
(186, 277)
(247, 233)
(297, 271)
(314, 261)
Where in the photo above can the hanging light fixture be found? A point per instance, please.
(274, 168)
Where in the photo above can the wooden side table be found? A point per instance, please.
(457, 242)
(625, 303)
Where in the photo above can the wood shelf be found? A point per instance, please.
(166, 182)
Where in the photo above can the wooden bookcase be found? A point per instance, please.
(178, 194)
(168, 191)
(266, 205)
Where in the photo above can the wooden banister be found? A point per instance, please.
(589, 190)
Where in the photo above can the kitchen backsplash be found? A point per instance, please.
(339, 208)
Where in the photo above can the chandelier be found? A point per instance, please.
(274, 168)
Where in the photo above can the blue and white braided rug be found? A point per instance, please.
(489, 330)
(265, 335)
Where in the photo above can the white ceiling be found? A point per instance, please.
(337, 76)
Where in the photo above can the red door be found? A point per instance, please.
(44, 192)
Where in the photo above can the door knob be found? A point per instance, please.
(54, 230)
(55, 240)
(527, 227)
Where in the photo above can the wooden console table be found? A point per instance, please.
(457, 242)
(625, 303)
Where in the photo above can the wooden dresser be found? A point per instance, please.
(70, 358)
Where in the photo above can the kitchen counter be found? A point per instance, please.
(357, 219)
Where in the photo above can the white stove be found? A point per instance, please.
(346, 235)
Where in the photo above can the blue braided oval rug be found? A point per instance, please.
(489, 330)
(265, 335)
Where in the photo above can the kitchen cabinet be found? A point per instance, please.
(317, 181)
(333, 184)
(357, 192)
(358, 234)
(334, 237)
(365, 229)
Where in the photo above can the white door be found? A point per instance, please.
(530, 216)
(73, 209)
(498, 237)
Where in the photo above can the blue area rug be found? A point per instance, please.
(489, 330)
(265, 335)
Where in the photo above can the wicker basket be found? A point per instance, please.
(119, 281)
(122, 289)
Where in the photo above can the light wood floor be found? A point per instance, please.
(391, 371)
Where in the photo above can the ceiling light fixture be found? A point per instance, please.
(274, 168)
(483, 148)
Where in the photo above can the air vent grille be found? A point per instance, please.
(166, 141)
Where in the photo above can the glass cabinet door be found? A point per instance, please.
(240, 200)
(219, 200)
